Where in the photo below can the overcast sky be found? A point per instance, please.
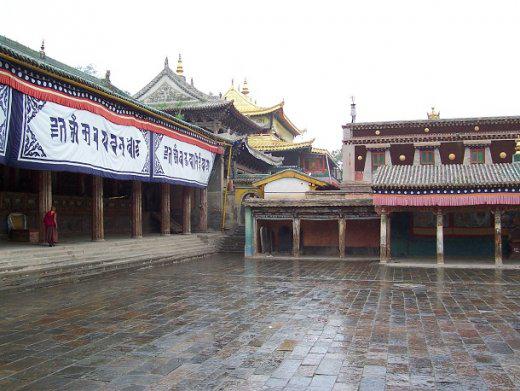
(397, 58)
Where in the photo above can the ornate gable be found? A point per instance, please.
(166, 93)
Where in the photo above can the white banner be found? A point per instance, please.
(5, 111)
(179, 162)
(57, 135)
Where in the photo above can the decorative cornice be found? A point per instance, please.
(411, 139)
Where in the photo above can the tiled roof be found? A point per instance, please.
(32, 57)
(271, 143)
(247, 107)
(446, 176)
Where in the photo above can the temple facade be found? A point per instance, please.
(432, 191)
(109, 163)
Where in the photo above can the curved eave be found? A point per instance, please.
(281, 148)
(59, 74)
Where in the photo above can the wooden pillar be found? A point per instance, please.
(186, 210)
(137, 210)
(341, 239)
(440, 238)
(98, 228)
(388, 236)
(203, 206)
(296, 237)
(249, 232)
(383, 238)
(44, 199)
(255, 236)
(165, 209)
(498, 237)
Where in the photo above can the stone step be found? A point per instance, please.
(76, 258)
(83, 271)
(89, 246)
(87, 262)
(92, 248)
(75, 262)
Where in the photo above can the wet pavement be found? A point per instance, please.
(228, 324)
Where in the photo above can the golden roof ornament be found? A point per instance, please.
(434, 114)
(245, 88)
(180, 68)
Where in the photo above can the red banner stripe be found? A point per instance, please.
(48, 94)
(447, 199)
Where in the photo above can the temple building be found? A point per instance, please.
(169, 92)
(278, 138)
(459, 170)
(111, 164)
(435, 191)
(433, 141)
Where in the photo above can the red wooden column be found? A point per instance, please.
(98, 228)
(44, 199)
(186, 210)
(165, 209)
(203, 214)
(137, 210)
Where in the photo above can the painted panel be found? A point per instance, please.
(5, 112)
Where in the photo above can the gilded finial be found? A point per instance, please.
(434, 114)
(166, 62)
(180, 68)
(245, 88)
(42, 50)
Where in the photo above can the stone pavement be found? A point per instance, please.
(227, 324)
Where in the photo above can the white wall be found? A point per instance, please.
(291, 188)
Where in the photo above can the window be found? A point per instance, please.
(476, 155)
(427, 156)
(378, 159)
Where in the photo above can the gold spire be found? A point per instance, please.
(434, 114)
(180, 69)
(245, 88)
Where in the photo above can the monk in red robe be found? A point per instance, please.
(50, 221)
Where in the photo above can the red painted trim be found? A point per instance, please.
(447, 199)
(50, 95)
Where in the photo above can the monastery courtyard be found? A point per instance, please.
(232, 324)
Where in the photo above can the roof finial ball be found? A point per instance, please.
(245, 88)
(42, 50)
(180, 68)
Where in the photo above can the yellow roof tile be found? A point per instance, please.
(270, 142)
